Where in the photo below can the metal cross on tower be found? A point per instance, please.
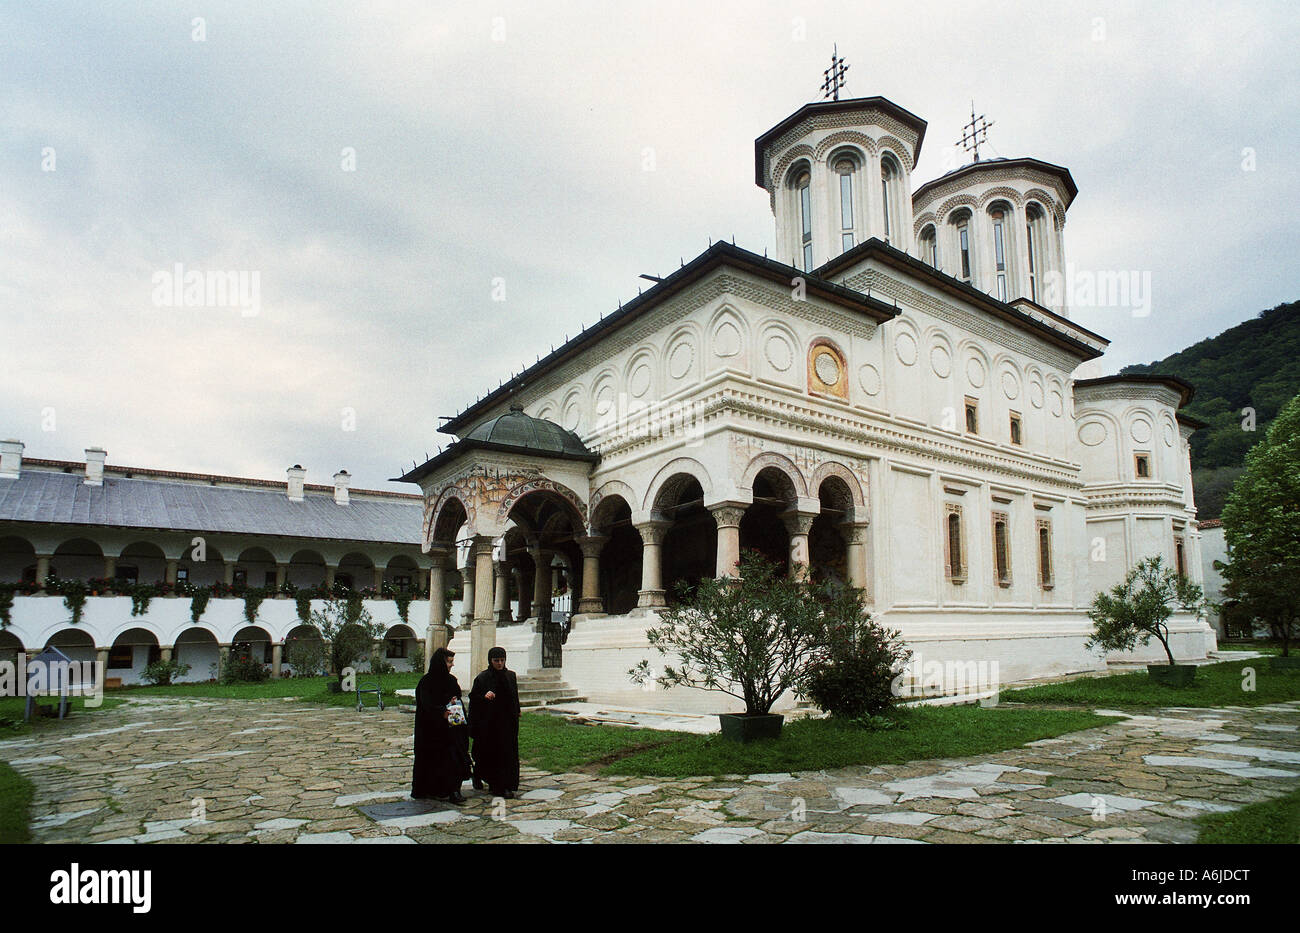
(971, 133)
(834, 75)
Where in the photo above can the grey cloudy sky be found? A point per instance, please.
(509, 141)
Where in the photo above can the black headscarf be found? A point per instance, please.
(502, 684)
(440, 679)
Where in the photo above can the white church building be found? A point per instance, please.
(890, 401)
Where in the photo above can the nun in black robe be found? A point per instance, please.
(494, 726)
(441, 749)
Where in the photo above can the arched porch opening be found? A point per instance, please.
(828, 550)
(306, 569)
(16, 555)
(83, 559)
(621, 555)
(763, 528)
(255, 568)
(75, 643)
(198, 648)
(690, 544)
(251, 643)
(131, 652)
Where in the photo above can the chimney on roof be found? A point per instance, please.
(11, 459)
(341, 480)
(95, 457)
(297, 477)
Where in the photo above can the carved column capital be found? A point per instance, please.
(727, 516)
(798, 523)
(591, 545)
(653, 532)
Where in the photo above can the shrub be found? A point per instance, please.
(854, 678)
(242, 669)
(348, 629)
(417, 657)
(306, 656)
(198, 604)
(381, 665)
(163, 673)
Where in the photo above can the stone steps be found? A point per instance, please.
(546, 686)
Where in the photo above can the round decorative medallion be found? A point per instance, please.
(1036, 394)
(940, 361)
(726, 339)
(681, 360)
(639, 384)
(572, 416)
(827, 368)
(1169, 435)
(869, 379)
(905, 347)
(1092, 433)
(975, 372)
(1057, 403)
(779, 352)
(1140, 430)
(1010, 385)
(604, 400)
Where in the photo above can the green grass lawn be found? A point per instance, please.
(15, 799)
(1215, 685)
(11, 714)
(308, 689)
(805, 745)
(1273, 821)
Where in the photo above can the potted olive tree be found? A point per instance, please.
(1135, 611)
(752, 637)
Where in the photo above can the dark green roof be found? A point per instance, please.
(536, 435)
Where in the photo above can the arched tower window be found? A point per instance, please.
(1000, 220)
(803, 186)
(844, 169)
(1036, 243)
(891, 181)
(930, 246)
(961, 230)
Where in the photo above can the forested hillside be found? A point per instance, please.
(1255, 365)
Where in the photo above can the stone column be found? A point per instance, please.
(110, 567)
(502, 610)
(223, 658)
(591, 545)
(855, 533)
(438, 634)
(165, 653)
(281, 574)
(170, 575)
(651, 594)
(101, 663)
(228, 568)
(525, 595)
(483, 632)
(42, 570)
(798, 524)
(728, 519)
(467, 592)
(277, 659)
(541, 582)
(379, 579)
(329, 575)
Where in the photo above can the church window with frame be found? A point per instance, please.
(845, 168)
(1001, 549)
(1142, 465)
(1180, 556)
(1035, 240)
(954, 551)
(1044, 527)
(1000, 264)
(930, 246)
(1017, 437)
(961, 225)
(972, 408)
(890, 183)
(803, 185)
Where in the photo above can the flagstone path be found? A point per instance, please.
(189, 770)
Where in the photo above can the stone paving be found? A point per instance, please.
(187, 770)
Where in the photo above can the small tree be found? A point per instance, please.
(348, 629)
(306, 656)
(1133, 612)
(1261, 525)
(753, 637)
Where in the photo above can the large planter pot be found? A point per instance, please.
(1172, 675)
(748, 727)
(1288, 663)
